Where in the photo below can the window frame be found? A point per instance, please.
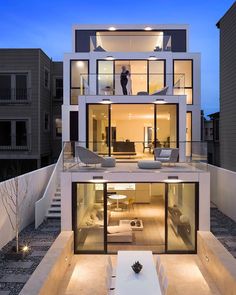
(192, 87)
(55, 78)
(71, 60)
(46, 69)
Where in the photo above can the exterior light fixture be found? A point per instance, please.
(25, 248)
(159, 101)
(106, 101)
(147, 28)
(98, 179)
(109, 57)
(207, 258)
(112, 29)
(152, 57)
(173, 179)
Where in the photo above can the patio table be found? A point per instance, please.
(128, 282)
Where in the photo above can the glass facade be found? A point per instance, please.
(131, 130)
(181, 221)
(98, 129)
(145, 76)
(183, 69)
(88, 218)
(163, 217)
(79, 79)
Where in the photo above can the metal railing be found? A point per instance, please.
(190, 152)
(15, 95)
(130, 42)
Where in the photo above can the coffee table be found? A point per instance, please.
(134, 227)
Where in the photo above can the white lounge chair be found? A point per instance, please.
(166, 155)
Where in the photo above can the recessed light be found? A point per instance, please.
(109, 57)
(152, 57)
(112, 29)
(173, 179)
(105, 101)
(147, 28)
(159, 101)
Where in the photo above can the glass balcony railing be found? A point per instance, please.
(191, 153)
(130, 42)
(135, 84)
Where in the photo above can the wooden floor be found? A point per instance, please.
(186, 275)
(152, 237)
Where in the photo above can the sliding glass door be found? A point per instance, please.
(163, 217)
(131, 130)
(182, 212)
(88, 217)
(145, 76)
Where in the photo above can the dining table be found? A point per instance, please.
(130, 283)
(117, 198)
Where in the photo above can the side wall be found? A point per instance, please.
(223, 188)
(35, 184)
(228, 90)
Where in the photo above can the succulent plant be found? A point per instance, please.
(137, 267)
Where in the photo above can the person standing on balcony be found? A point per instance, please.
(124, 79)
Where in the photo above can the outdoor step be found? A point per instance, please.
(56, 205)
(53, 215)
(52, 209)
(56, 199)
(57, 194)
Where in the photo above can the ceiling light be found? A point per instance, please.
(109, 57)
(173, 179)
(112, 29)
(152, 57)
(106, 101)
(159, 101)
(98, 179)
(147, 28)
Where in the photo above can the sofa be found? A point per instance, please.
(119, 234)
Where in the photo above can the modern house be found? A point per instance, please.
(158, 61)
(30, 114)
(227, 27)
(158, 107)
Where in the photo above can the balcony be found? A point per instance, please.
(15, 95)
(192, 156)
(138, 84)
(130, 42)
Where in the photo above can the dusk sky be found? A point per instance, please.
(47, 24)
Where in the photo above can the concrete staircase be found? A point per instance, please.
(54, 212)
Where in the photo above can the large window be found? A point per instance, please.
(145, 76)
(188, 134)
(163, 217)
(13, 134)
(79, 79)
(14, 86)
(182, 214)
(99, 137)
(183, 79)
(58, 88)
(88, 217)
(166, 122)
(131, 130)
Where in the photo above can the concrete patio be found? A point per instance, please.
(186, 275)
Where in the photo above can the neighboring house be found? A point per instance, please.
(159, 107)
(29, 109)
(211, 131)
(227, 27)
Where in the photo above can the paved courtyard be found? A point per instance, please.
(14, 274)
(224, 228)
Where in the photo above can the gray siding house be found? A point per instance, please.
(227, 27)
(26, 110)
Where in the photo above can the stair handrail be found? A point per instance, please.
(43, 204)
